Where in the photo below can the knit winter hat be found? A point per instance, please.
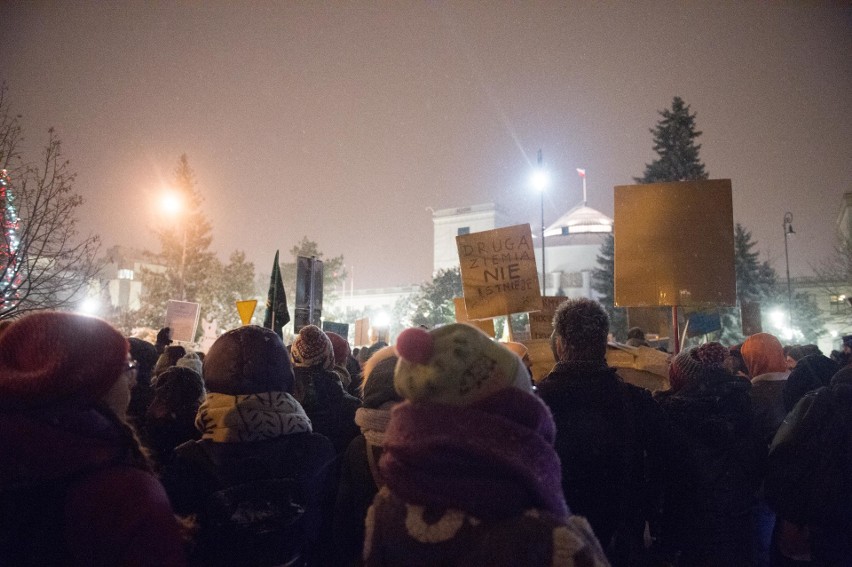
(248, 360)
(377, 387)
(456, 364)
(192, 361)
(168, 358)
(50, 357)
(693, 363)
(762, 354)
(179, 387)
(312, 347)
(341, 348)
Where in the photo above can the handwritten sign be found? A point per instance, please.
(498, 270)
(484, 325)
(541, 322)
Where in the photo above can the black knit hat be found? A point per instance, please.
(248, 360)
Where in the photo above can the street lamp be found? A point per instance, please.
(173, 205)
(788, 230)
(540, 179)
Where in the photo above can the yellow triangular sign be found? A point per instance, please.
(246, 309)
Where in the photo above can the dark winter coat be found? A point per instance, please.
(305, 457)
(767, 398)
(73, 493)
(603, 429)
(707, 509)
(331, 409)
(356, 490)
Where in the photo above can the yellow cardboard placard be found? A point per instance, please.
(674, 244)
(498, 270)
(484, 325)
(541, 322)
(246, 310)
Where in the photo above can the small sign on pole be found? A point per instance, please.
(246, 310)
(182, 318)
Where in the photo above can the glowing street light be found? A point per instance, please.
(540, 180)
(173, 205)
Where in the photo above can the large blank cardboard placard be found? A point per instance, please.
(498, 270)
(182, 318)
(674, 244)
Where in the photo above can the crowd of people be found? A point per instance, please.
(436, 450)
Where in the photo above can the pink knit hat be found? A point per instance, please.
(50, 357)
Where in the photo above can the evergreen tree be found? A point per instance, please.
(232, 282)
(191, 270)
(433, 304)
(756, 283)
(603, 283)
(674, 143)
(334, 272)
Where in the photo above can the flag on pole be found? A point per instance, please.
(276, 302)
(582, 172)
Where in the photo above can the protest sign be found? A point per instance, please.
(498, 270)
(182, 318)
(541, 322)
(674, 244)
(484, 325)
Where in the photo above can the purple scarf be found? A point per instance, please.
(493, 458)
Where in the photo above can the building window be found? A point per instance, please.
(125, 274)
(463, 230)
(838, 303)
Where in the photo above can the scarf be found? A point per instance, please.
(254, 417)
(373, 424)
(493, 458)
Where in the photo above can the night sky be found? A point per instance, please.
(345, 121)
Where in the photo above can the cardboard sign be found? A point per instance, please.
(541, 322)
(484, 325)
(246, 310)
(362, 331)
(182, 318)
(674, 244)
(498, 270)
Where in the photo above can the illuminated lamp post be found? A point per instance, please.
(173, 205)
(540, 180)
(788, 230)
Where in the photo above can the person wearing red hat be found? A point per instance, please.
(75, 487)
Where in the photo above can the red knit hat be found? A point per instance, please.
(341, 347)
(50, 357)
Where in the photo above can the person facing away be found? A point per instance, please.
(360, 478)
(75, 487)
(707, 516)
(469, 471)
(767, 367)
(259, 475)
(608, 432)
(319, 389)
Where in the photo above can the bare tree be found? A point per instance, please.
(44, 261)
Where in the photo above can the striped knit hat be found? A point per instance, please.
(312, 347)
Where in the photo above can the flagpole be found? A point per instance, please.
(584, 189)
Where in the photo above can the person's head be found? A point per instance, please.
(248, 360)
(377, 389)
(169, 357)
(792, 354)
(580, 328)
(847, 344)
(811, 372)
(340, 347)
(51, 359)
(735, 364)
(179, 388)
(763, 354)
(312, 347)
(145, 355)
(192, 361)
(455, 364)
(696, 364)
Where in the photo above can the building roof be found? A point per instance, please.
(580, 220)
